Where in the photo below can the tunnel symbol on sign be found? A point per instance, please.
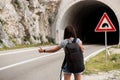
(105, 24)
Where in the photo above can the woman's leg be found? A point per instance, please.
(77, 76)
(67, 76)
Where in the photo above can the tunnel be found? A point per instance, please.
(85, 15)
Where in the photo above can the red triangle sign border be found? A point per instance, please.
(112, 29)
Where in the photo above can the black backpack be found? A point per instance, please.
(74, 57)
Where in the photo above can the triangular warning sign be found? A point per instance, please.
(105, 25)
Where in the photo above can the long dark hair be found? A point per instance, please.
(69, 32)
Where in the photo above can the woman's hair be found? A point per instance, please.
(69, 32)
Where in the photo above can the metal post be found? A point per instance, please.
(106, 50)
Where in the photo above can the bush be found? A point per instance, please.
(1, 41)
(50, 39)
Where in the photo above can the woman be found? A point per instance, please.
(69, 35)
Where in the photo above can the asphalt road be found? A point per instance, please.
(29, 64)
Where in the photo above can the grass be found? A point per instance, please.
(99, 63)
(25, 46)
(116, 46)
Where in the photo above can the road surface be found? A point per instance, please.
(29, 64)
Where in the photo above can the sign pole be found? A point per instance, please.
(106, 50)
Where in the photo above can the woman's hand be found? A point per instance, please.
(41, 50)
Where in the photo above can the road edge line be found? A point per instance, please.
(27, 61)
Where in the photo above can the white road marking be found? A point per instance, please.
(27, 61)
(93, 54)
(16, 52)
(22, 50)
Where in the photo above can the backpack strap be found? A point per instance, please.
(64, 62)
(74, 40)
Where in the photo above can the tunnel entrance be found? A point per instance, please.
(85, 16)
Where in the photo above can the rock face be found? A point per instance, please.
(26, 21)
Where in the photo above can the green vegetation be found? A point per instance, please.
(25, 46)
(26, 38)
(50, 39)
(116, 46)
(1, 41)
(16, 3)
(98, 63)
(2, 22)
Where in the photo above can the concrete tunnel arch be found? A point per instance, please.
(85, 15)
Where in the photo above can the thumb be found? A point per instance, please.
(40, 49)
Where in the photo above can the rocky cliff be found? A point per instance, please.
(26, 21)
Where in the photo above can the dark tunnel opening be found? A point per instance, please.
(85, 17)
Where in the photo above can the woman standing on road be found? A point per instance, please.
(69, 35)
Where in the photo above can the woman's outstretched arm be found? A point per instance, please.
(49, 50)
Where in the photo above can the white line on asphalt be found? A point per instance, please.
(93, 54)
(22, 50)
(27, 61)
(2, 54)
